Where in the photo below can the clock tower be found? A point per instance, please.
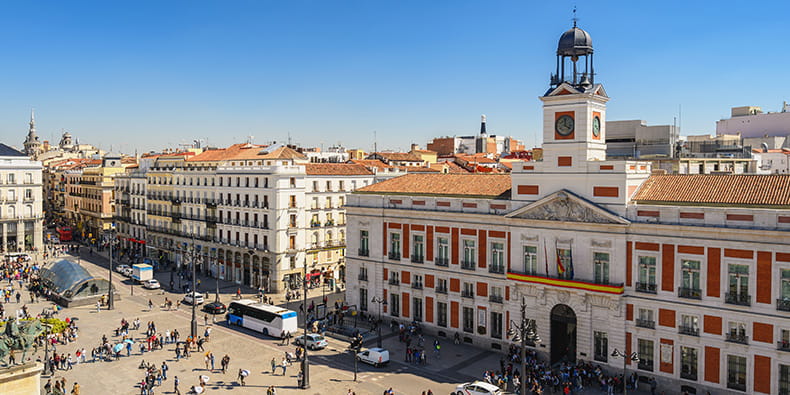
(574, 107)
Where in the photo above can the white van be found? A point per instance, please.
(376, 356)
(193, 297)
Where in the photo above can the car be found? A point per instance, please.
(376, 356)
(193, 297)
(477, 388)
(127, 272)
(151, 284)
(314, 341)
(214, 308)
(122, 268)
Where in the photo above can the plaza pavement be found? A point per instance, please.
(331, 370)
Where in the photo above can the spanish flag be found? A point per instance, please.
(560, 266)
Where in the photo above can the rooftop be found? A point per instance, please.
(452, 185)
(336, 169)
(716, 190)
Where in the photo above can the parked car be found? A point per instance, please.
(214, 308)
(376, 356)
(314, 341)
(127, 272)
(477, 388)
(152, 284)
(122, 268)
(193, 297)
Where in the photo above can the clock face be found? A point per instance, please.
(564, 125)
(596, 126)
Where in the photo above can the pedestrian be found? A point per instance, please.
(274, 365)
(242, 374)
(164, 370)
(176, 382)
(653, 386)
(150, 305)
(284, 366)
(98, 306)
(271, 391)
(207, 360)
(75, 390)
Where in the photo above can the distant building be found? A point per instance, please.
(21, 219)
(719, 146)
(482, 143)
(750, 121)
(634, 139)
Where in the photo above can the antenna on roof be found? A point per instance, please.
(375, 143)
(575, 19)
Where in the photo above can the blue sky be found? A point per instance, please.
(147, 75)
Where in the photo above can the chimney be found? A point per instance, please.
(483, 125)
(415, 147)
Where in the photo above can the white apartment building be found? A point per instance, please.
(21, 213)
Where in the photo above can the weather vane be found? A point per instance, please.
(575, 19)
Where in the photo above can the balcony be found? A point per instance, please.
(394, 281)
(441, 261)
(468, 265)
(417, 258)
(495, 299)
(688, 375)
(363, 252)
(645, 287)
(500, 269)
(738, 299)
(467, 294)
(783, 304)
(690, 293)
(362, 277)
(394, 255)
(645, 365)
(688, 330)
(645, 323)
(783, 345)
(441, 290)
(737, 338)
(416, 285)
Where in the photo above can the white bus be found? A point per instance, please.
(264, 318)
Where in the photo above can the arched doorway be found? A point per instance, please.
(563, 334)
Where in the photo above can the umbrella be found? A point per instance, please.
(118, 347)
(245, 372)
(129, 341)
(204, 379)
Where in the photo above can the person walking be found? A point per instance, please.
(242, 374)
(284, 366)
(271, 391)
(211, 358)
(150, 305)
(98, 306)
(164, 370)
(274, 365)
(75, 390)
(176, 382)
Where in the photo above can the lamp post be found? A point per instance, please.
(216, 273)
(380, 301)
(111, 240)
(48, 328)
(305, 364)
(525, 331)
(626, 357)
(193, 325)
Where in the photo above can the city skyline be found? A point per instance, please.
(155, 76)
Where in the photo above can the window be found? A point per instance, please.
(418, 249)
(315, 186)
(601, 267)
(497, 264)
(363, 273)
(469, 319)
(394, 278)
(645, 319)
(364, 236)
(417, 309)
(468, 291)
(736, 372)
(292, 221)
(738, 285)
(342, 186)
(496, 325)
(496, 294)
(784, 340)
(645, 348)
(292, 182)
(363, 298)
(28, 178)
(394, 245)
(443, 252)
(690, 277)
(647, 274)
(394, 305)
(784, 379)
(28, 194)
(688, 363)
(531, 260)
(737, 332)
(292, 201)
(10, 178)
(469, 255)
(564, 255)
(784, 302)
(328, 203)
(689, 325)
(601, 345)
(441, 285)
(441, 314)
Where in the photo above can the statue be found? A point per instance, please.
(18, 337)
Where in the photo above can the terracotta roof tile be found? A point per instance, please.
(371, 163)
(336, 169)
(703, 189)
(469, 185)
(398, 156)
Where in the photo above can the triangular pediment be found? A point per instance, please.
(563, 89)
(566, 206)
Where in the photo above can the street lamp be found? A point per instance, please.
(305, 364)
(626, 357)
(526, 331)
(216, 273)
(111, 240)
(381, 301)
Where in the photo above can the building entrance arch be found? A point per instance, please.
(563, 334)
